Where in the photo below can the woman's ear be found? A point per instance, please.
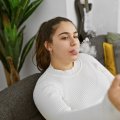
(47, 46)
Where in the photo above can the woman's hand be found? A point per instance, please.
(114, 92)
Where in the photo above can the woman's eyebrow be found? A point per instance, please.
(67, 33)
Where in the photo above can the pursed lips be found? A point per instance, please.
(74, 51)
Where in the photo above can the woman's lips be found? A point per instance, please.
(74, 52)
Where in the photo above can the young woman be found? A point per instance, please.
(74, 85)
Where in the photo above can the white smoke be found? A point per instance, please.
(86, 47)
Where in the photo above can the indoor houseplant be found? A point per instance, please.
(13, 13)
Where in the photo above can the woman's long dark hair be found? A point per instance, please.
(45, 33)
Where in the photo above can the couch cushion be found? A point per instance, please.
(16, 102)
(98, 43)
(109, 57)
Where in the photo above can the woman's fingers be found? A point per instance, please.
(114, 92)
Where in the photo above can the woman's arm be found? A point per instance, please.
(48, 98)
(49, 101)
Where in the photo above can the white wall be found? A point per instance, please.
(118, 22)
(70, 11)
(105, 16)
(2, 78)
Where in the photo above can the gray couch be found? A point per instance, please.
(98, 43)
(16, 102)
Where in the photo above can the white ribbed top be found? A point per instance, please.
(60, 92)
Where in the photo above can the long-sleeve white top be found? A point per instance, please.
(76, 94)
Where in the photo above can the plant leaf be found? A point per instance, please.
(6, 5)
(14, 3)
(30, 9)
(18, 16)
(19, 12)
(4, 62)
(2, 38)
(24, 3)
(25, 51)
(2, 49)
(18, 47)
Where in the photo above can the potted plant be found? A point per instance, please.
(13, 13)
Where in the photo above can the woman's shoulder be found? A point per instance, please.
(46, 79)
(46, 85)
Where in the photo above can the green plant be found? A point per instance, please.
(13, 13)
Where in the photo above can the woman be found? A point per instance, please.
(73, 85)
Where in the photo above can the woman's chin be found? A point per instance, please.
(75, 57)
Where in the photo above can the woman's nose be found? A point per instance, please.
(72, 41)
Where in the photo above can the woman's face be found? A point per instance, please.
(65, 44)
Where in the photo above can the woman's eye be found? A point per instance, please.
(64, 38)
(76, 36)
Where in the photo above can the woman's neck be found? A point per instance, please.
(62, 66)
